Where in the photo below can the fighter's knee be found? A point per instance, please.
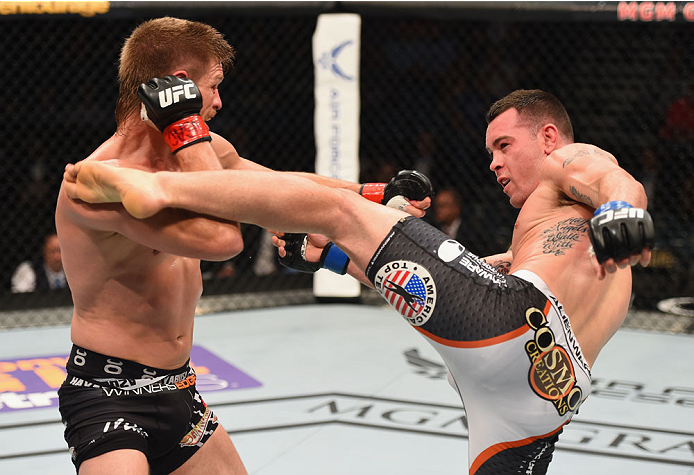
(346, 209)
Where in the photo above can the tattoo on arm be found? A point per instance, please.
(563, 235)
(581, 197)
(502, 266)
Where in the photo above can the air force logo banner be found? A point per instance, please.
(336, 50)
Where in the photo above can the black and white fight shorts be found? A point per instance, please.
(507, 343)
(109, 404)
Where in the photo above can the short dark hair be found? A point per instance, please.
(535, 108)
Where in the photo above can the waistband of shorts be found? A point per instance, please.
(95, 365)
(534, 279)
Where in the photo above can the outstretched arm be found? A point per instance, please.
(312, 253)
(230, 160)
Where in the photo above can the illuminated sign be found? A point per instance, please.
(653, 11)
(86, 9)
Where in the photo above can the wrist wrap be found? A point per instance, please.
(334, 259)
(611, 205)
(186, 131)
(373, 191)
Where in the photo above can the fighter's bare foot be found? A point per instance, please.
(98, 182)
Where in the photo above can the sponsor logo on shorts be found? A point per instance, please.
(197, 433)
(409, 288)
(570, 337)
(551, 374)
(122, 424)
(449, 250)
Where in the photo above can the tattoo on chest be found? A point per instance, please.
(502, 266)
(581, 197)
(563, 235)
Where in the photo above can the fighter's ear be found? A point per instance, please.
(549, 138)
(181, 73)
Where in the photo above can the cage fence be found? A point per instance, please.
(428, 75)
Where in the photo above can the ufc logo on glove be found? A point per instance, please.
(621, 213)
(173, 94)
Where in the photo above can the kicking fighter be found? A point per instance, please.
(519, 346)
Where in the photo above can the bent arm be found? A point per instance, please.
(173, 231)
(592, 176)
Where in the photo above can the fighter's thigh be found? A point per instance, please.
(361, 225)
(124, 461)
(217, 456)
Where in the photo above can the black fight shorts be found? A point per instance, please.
(109, 404)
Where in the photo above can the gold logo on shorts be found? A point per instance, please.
(194, 437)
(551, 375)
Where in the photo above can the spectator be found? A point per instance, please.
(41, 274)
(426, 153)
(679, 121)
(447, 208)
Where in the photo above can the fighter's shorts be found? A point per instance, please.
(506, 341)
(109, 404)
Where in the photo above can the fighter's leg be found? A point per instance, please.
(273, 200)
(217, 456)
(285, 202)
(124, 461)
(97, 182)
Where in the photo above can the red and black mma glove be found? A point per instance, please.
(619, 230)
(173, 105)
(410, 184)
(332, 257)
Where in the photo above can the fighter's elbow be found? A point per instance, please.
(224, 244)
(229, 246)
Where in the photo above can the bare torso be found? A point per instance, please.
(550, 238)
(131, 301)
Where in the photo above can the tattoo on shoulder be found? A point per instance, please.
(502, 266)
(563, 235)
(584, 152)
(581, 197)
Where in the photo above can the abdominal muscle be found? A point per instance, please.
(142, 315)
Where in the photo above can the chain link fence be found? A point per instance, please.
(428, 75)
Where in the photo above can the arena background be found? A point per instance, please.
(429, 71)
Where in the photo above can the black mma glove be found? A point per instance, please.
(332, 257)
(173, 104)
(619, 230)
(411, 184)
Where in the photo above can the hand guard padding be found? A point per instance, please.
(618, 231)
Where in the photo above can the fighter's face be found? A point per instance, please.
(516, 156)
(209, 88)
